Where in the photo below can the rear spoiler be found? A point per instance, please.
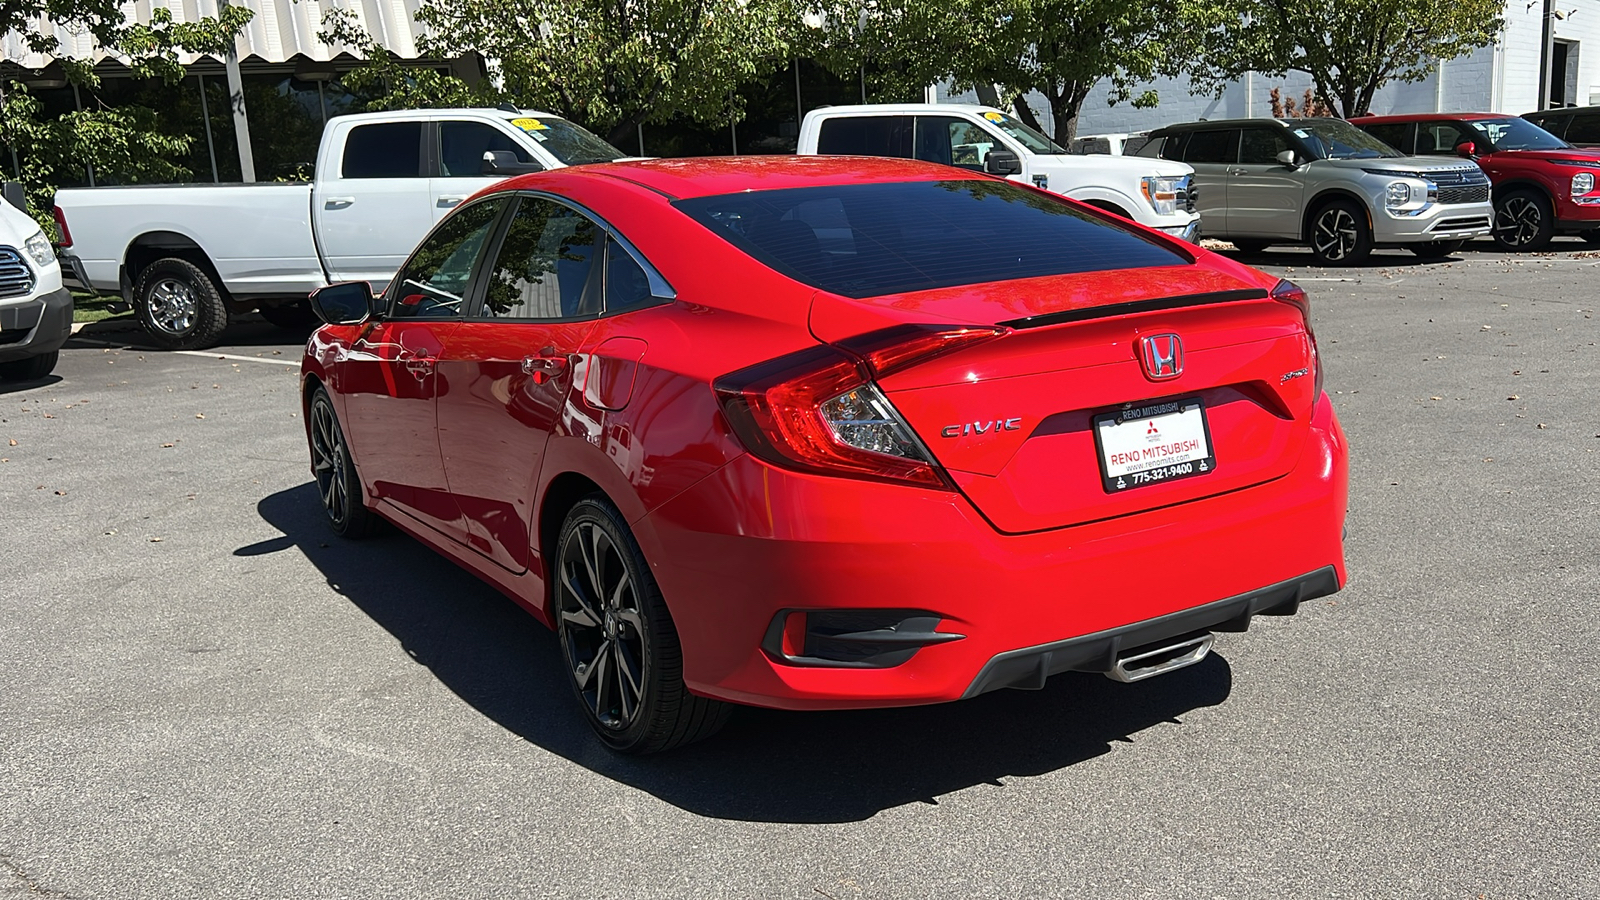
(1138, 306)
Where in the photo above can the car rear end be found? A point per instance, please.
(1090, 466)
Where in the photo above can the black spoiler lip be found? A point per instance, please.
(1138, 306)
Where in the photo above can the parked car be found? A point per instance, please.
(821, 433)
(35, 310)
(1543, 186)
(1108, 144)
(1151, 192)
(1325, 183)
(1578, 126)
(187, 257)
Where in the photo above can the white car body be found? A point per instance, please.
(35, 310)
(1122, 185)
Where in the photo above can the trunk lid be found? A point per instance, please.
(1013, 420)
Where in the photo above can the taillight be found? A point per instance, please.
(1294, 295)
(820, 409)
(61, 225)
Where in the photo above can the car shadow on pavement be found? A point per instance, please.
(767, 765)
(14, 387)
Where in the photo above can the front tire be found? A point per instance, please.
(1523, 220)
(618, 640)
(179, 306)
(337, 482)
(1340, 235)
(1437, 249)
(31, 369)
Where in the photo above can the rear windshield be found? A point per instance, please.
(865, 240)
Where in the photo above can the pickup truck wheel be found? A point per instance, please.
(31, 369)
(1340, 235)
(1523, 221)
(290, 316)
(179, 306)
(1437, 249)
(337, 483)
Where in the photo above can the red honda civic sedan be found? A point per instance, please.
(823, 433)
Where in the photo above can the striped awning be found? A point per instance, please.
(280, 31)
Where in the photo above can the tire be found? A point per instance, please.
(612, 622)
(1252, 246)
(1437, 249)
(31, 369)
(179, 306)
(337, 482)
(1340, 235)
(290, 316)
(1523, 220)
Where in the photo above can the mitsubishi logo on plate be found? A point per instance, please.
(1162, 355)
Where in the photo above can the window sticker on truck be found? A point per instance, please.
(530, 125)
(994, 116)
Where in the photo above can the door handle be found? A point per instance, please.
(546, 364)
(338, 202)
(1238, 172)
(418, 364)
(447, 202)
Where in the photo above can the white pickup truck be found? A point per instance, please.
(988, 140)
(186, 257)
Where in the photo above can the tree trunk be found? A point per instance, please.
(1025, 113)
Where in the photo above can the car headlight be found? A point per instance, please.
(1582, 183)
(1397, 195)
(1162, 193)
(39, 248)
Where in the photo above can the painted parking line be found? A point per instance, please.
(261, 359)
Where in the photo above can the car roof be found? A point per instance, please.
(482, 111)
(679, 179)
(1429, 117)
(1241, 123)
(1562, 111)
(901, 109)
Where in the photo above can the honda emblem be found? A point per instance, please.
(1162, 355)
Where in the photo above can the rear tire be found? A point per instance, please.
(337, 482)
(31, 369)
(179, 306)
(1523, 221)
(1251, 246)
(1437, 249)
(618, 640)
(1340, 235)
(290, 316)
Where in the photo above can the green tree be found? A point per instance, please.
(609, 65)
(122, 143)
(1350, 48)
(1060, 48)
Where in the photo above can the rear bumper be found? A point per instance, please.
(752, 542)
(35, 327)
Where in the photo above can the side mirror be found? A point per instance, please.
(1467, 149)
(1288, 158)
(1002, 162)
(346, 303)
(504, 162)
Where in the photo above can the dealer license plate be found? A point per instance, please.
(1153, 444)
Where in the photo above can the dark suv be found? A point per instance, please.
(1579, 127)
(1543, 186)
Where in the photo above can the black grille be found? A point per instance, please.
(1186, 193)
(1472, 194)
(16, 279)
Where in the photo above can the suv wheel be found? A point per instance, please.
(31, 369)
(1523, 221)
(179, 306)
(1340, 235)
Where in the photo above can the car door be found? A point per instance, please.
(373, 207)
(390, 381)
(1264, 195)
(460, 145)
(1211, 152)
(511, 366)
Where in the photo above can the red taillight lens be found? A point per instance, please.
(820, 410)
(1294, 295)
(61, 225)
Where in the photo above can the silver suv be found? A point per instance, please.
(1325, 183)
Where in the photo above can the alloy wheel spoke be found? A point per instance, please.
(632, 619)
(581, 617)
(627, 681)
(588, 551)
(603, 677)
(584, 600)
(586, 672)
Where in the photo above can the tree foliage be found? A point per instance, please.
(1350, 48)
(609, 65)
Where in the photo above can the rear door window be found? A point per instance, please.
(383, 150)
(866, 240)
(1212, 147)
(866, 136)
(544, 267)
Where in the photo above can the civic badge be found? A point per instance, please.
(1162, 355)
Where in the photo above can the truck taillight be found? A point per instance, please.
(820, 409)
(61, 226)
(1294, 295)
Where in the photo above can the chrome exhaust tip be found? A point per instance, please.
(1148, 662)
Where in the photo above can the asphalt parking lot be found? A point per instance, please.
(208, 695)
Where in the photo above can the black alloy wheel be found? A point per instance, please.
(617, 638)
(1437, 249)
(1340, 235)
(1523, 220)
(337, 483)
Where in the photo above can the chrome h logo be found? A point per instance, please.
(1162, 355)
